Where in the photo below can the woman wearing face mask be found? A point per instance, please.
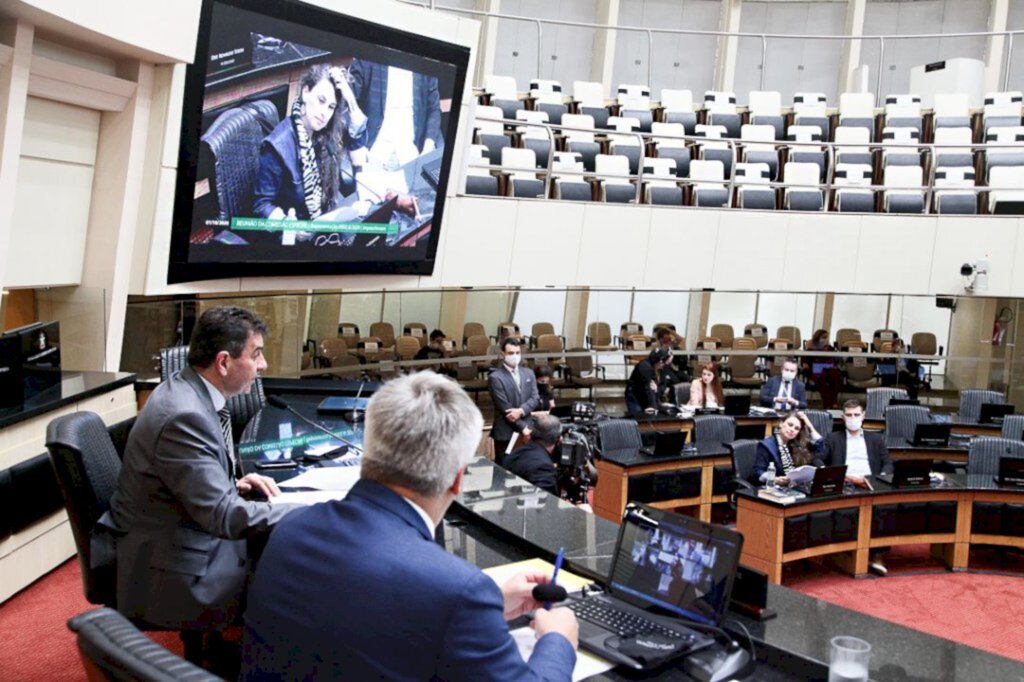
(794, 444)
(304, 164)
(544, 390)
(824, 373)
(706, 391)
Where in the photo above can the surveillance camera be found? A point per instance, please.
(975, 276)
(966, 270)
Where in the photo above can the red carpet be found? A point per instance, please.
(978, 609)
(35, 643)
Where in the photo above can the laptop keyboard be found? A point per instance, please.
(620, 622)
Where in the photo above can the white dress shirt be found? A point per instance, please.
(395, 144)
(219, 401)
(857, 455)
(423, 515)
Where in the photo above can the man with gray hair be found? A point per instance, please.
(533, 462)
(358, 589)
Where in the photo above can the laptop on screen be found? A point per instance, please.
(930, 434)
(909, 473)
(667, 569)
(1011, 472)
(666, 444)
(994, 413)
(827, 480)
(737, 405)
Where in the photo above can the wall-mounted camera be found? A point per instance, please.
(975, 276)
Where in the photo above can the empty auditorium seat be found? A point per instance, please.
(811, 109)
(581, 140)
(677, 106)
(903, 111)
(800, 192)
(853, 193)
(807, 134)
(546, 91)
(765, 108)
(1012, 155)
(709, 187)
(1007, 183)
(953, 156)
(714, 151)
(721, 108)
(667, 138)
(521, 167)
(904, 198)
(852, 145)
(613, 178)
(491, 132)
(948, 199)
(751, 189)
(504, 94)
(633, 96)
(660, 184)
(478, 179)
(857, 109)
(760, 153)
(590, 99)
(566, 171)
(951, 110)
(1002, 109)
(900, 156)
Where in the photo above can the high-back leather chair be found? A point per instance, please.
(971, 400)
(87, 468)
(714, 428)
(231, 147)
(985, 452)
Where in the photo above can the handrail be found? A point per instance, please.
(730, 184)
(881, 38)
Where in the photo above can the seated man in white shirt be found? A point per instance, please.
(864, 453)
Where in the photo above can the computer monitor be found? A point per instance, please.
(1011, 472)
(994, 413)
(12, 389)
(930, 434)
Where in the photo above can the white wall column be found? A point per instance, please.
(604, 43)
(117, 188)
(17, 36)
(488, 39)
(728, 47)
(851, 55)
(998, 17)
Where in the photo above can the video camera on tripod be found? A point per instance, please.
(576, 471)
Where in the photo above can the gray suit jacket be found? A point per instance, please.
(181, 552)
(505, 394)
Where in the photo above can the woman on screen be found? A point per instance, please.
(304, 167)
(795, 444)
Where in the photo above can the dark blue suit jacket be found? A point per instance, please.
(358, 590)
(370, 86)
(770, 389)
(768, 451)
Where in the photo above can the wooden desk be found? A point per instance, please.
(685, 424)
(763, 524)
(612, 490)
(952, 454)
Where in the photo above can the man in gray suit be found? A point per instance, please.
(514, 394)
(178, 509)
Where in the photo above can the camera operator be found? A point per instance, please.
(534, 461)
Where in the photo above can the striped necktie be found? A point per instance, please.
(229, 442)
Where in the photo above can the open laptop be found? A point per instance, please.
(666, 444)
(908, 473)
(931, 435)
(994, 413)
(827, 481)
(737, 405)
(1011, 472)
(668, 569)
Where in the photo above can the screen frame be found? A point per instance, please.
(179, 269)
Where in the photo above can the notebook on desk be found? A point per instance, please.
(667, 570)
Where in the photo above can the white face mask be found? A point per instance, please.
(853, 424)
(513, 360)
(788, 376)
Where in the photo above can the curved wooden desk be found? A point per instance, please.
(967, 510)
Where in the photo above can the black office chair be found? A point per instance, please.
(744, 455)
(986, 451)
(619, 437)
(713, 428)
(87, 467)
(230, 152)
(902, 420)
(112, 648)
(821, 420)
(172, 359)
(1013, 427)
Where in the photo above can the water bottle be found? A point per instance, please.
(769, 475)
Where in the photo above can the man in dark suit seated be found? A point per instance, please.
(864, 453)
(515, 397)
(182, 559)
(357, 589)
(533, 462)
(784, 392)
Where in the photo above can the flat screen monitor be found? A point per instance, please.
(312, 142)
(38, 347)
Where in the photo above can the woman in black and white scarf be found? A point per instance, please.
(795, 444)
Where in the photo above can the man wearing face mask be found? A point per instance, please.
(543, 375)
(864, 453)
(784, 392)
(514, 394)
(534, 461)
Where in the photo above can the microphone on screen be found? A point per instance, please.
(280, 404)
(549, 593)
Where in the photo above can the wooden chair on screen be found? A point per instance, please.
(418, 330)
(724, 333)
(472, 329)
(385, 332)
(791, 334)
(599, 336)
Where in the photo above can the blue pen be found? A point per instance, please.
(554, 576)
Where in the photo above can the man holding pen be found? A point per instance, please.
(358, 589)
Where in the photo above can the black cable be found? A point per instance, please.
(750, 640)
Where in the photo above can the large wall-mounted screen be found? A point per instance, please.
(312, 143)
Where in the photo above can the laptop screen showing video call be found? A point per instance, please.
(684, 570)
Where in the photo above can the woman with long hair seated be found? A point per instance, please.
(305, 167)
(706, 390)
(794, 444)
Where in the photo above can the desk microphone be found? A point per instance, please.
(277, 402)
(549, 593)
(356, 414)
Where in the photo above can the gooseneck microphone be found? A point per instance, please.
(548, 592)
(279, 403)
